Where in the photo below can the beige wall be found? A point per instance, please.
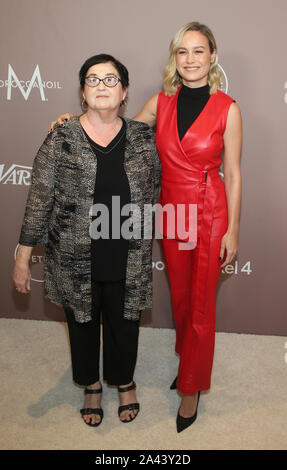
(58, 35)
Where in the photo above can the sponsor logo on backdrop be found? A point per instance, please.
(36, 263)
(285, 96)
(236, 269)
(159, 265)
(228, 269)
(224, 88)
(17, 174)
(25, 86)
(224, 81)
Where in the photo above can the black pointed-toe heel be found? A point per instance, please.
(174, 384)
(183, 423)
(131, 406)
(92, 411)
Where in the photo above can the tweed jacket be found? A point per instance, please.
(57, 215)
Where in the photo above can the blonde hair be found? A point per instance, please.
(171, 78)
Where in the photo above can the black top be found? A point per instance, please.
(190, 103)
(109, 255)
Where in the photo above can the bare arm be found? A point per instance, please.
(232, 179)
(148, 112)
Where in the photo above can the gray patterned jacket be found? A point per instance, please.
(58, 215)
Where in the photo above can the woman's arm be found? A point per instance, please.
(40, 201)
(148, 112)
(232, 179)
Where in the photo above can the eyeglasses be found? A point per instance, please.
(108, 81)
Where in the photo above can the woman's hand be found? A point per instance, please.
(61, 120)
(229, 243)
(22, 277)
(21, 273)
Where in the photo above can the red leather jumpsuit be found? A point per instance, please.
(190, 175)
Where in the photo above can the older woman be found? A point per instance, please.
(98, 160)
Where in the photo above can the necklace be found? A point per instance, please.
(109, 134)
(107, 149)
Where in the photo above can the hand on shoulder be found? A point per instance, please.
(62, 119)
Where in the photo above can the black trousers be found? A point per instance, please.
(120, 338)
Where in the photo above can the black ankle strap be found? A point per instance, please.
(88, 390)
(127, 389)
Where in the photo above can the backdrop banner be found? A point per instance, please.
(43, 45)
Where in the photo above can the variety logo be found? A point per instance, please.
(16, 174)
(26, 87)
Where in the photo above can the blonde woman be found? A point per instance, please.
(196, 125)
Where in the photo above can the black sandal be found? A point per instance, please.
(131, 406)
(92, 411)
(174, 384)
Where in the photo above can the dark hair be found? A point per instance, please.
(100, 59)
